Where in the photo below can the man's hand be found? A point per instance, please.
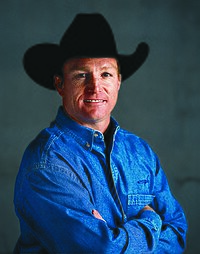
(147, 207)
(97, 215)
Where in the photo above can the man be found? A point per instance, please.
(85, 185)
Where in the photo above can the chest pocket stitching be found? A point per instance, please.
(140, 199)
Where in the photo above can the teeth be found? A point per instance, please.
(93, 100)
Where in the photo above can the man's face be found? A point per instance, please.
(90, 90)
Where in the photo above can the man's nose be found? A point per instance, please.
(94, 84)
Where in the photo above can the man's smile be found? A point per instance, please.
(94, 101)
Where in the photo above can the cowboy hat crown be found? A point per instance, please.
(89, 35)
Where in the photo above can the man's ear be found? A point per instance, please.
(58, 83)
(119, 81)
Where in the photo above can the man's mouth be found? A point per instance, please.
(94, 101)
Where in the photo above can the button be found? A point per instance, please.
(96, 135)
(87, 144)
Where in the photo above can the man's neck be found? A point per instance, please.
(100, 125)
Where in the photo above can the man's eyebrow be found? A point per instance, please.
(76, 67)
(111, 66)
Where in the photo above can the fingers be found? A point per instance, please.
(147, 207)
(97, 215)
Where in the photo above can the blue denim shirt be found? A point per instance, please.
(69, 170)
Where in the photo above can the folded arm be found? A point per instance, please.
(62, 219)
(174, 226)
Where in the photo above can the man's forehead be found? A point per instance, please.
(85, 63)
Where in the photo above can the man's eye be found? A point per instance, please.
(107, 74)
(81, 75)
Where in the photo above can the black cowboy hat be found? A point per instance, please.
(89, 35)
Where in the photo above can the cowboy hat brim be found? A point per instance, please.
(42, 61)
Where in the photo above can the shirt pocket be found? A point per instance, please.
(136, 202)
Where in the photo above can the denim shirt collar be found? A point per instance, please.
(84, 136)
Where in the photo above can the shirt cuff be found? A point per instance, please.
(143, 233)
(153, 220)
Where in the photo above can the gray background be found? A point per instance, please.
(160, 102)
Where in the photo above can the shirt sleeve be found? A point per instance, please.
(174, 226)
(145, 241)
(59, 215)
